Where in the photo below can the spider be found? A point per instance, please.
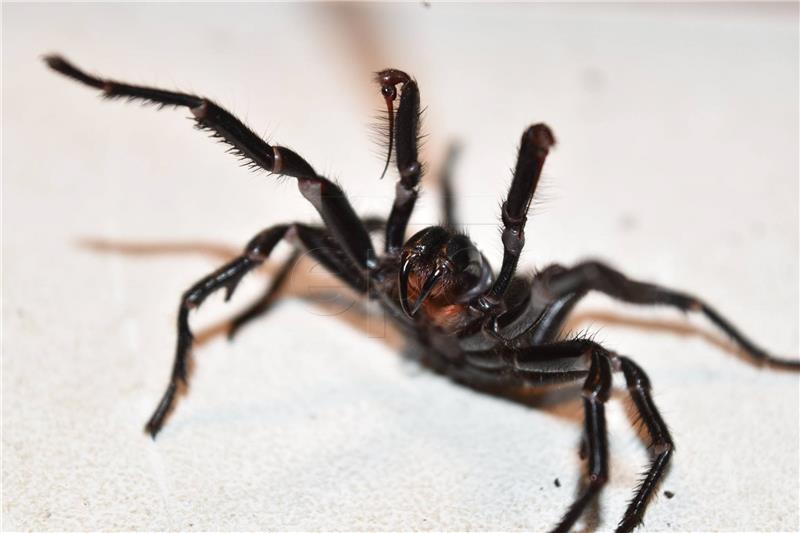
(481, 328)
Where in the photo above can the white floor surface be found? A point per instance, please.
(677, 162)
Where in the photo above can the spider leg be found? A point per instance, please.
(661, 445)
(556, 362)
(534, 147)
(595, 392)
(404, 133)
(318, 244)
(326, 197)
(265, 301)
(566, 361)
(567, 286)
(563, 362)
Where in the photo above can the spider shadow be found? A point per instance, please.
(142, 248)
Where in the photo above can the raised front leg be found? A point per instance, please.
(534, 147)
(404, 135)
(326, 197)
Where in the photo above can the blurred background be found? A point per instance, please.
(677, 162)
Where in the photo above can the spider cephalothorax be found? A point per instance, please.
(475, 326)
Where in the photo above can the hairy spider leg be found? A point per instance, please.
(596, 390)
(534, 147)
(265, 301)
(326, 197)
(321, 246)
(404, 131)
(566, 361)
(568, 286)
(661, 446)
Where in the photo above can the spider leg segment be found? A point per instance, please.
(567, 286)
(315, 241)
(404, 134)
(661, 446)
(557, 362)
(326, 197)
(265, 301)
(596, 390)
(534, 147)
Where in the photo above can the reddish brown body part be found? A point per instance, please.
(440, 306)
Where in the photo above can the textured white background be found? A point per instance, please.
(678, 161)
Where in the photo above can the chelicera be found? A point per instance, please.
(482, 328)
